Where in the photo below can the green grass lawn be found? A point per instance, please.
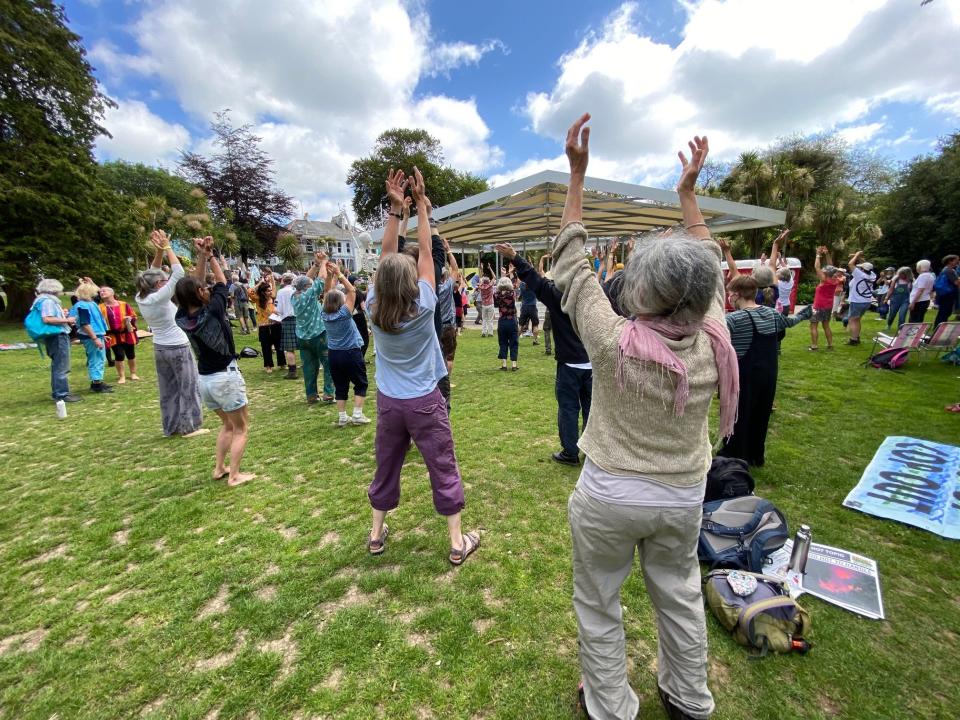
(134, 586)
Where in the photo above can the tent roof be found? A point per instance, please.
(531, 209)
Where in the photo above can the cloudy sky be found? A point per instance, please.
(499, 82)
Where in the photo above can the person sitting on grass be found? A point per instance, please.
(177, 380)
(203, 317)
(92, 330)
(824, 297)
(507, 331)
(311, 331)
(647, 444)
(754, 332)
(409, 366)
(574, 378)
(57, 344)
(121, 332)
(344, 347)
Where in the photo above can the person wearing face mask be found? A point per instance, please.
(754, 332)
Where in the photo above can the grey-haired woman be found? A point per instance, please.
(647, 443)
(177, 377)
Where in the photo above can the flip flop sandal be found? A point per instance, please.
(955, 408)
(471, 541)
(376, 547)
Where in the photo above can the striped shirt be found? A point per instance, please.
(767, 320)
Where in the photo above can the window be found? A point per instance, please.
(339, 248)
(308, 246)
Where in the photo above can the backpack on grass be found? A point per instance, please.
(740, 532)
(766, 618)
(728, 478)
(889, 358)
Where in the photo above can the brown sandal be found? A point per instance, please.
(376, 547)
(471, 541)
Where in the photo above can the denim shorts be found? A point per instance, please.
(858, 309)
(225, 390)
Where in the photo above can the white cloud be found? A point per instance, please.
(860, 133)
(318, 81)
(947, 103)
(140, 136)
(746, 72)
(450, 56)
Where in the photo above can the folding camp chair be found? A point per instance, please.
(945, 338)
(909, 336)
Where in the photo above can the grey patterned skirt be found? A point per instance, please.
(179, 391)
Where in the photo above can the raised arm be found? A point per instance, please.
(395, 185)
(540, 262)
(775, 250)
(330, 279)
(349, 291)
(452, 261)
(854, 259)
(218, 276)
(816, 263)
(319, 261)
(690, 171)
(407, 202)
(612, 258)
(161, 241)
(577, 148)
(200, 271)
(425, 266)
(732, 271)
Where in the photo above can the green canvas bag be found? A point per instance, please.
(767, 619)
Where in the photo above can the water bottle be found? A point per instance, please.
(61, 410)
(801, 548)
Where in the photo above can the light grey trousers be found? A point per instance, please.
(179, 391)
(605, 536)
(487, 314)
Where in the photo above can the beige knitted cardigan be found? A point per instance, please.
(632, 430)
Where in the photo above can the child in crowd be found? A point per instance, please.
(410, 364)
(92, 329)
(345, 347)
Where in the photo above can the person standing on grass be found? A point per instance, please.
(647, 444)
(344, 347)
(574, 378)
(946, 289)
(861, 294)
(528, 312)
(177, 379)
(409, 367)
(288, 324)
(268, 323)
(311, 331)
(241, 300)
(755, 331)
(898, 297)
(823, 299)
(92, 329)
(486, 305)
(922, 291)
(360, 316)
(121, 332)
(56, 344)
(448, 317)
(508, 336)
(203, 317)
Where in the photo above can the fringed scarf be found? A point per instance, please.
(641, 340)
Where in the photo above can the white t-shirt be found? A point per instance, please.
(284, 303)
(861, 286)
(922, 287)
(160, 313)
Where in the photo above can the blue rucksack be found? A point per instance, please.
(740, 533)
(943, 286)
(37, 329)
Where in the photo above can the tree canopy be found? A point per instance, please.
(57, 218)
(238, 181)
(405, 148)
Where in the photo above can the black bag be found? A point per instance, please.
(740, 533)
(728, 478)
(249, 352)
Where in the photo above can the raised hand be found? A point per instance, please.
(446, 245)
(320, 258)
(159, 239)
(333, 269)
(417, 187)
(200, 245)
(577, 145)
(396, 186)
(782, 236)
(506, 249)
(407, 202)
(690, 171)
(722, 242)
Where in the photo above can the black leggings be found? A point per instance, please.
(270, 340)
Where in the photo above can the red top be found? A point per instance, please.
(486, 293)
(823, 295)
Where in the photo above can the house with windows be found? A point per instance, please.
(338, 238)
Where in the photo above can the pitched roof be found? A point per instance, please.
(314, 229)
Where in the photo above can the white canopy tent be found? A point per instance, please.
(529, 211)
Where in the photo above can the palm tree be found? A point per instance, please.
(288, 250)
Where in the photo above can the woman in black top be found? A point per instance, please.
(203, 317)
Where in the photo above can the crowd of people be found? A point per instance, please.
(643, 341)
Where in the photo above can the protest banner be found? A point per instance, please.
(914, 481)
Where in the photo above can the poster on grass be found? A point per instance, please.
(914, 481)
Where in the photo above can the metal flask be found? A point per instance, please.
(801, 548)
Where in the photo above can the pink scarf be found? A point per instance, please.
(640, 340)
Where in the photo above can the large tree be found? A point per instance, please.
(238, 180)
(57, 219)
(921, 216)
(405, 148)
